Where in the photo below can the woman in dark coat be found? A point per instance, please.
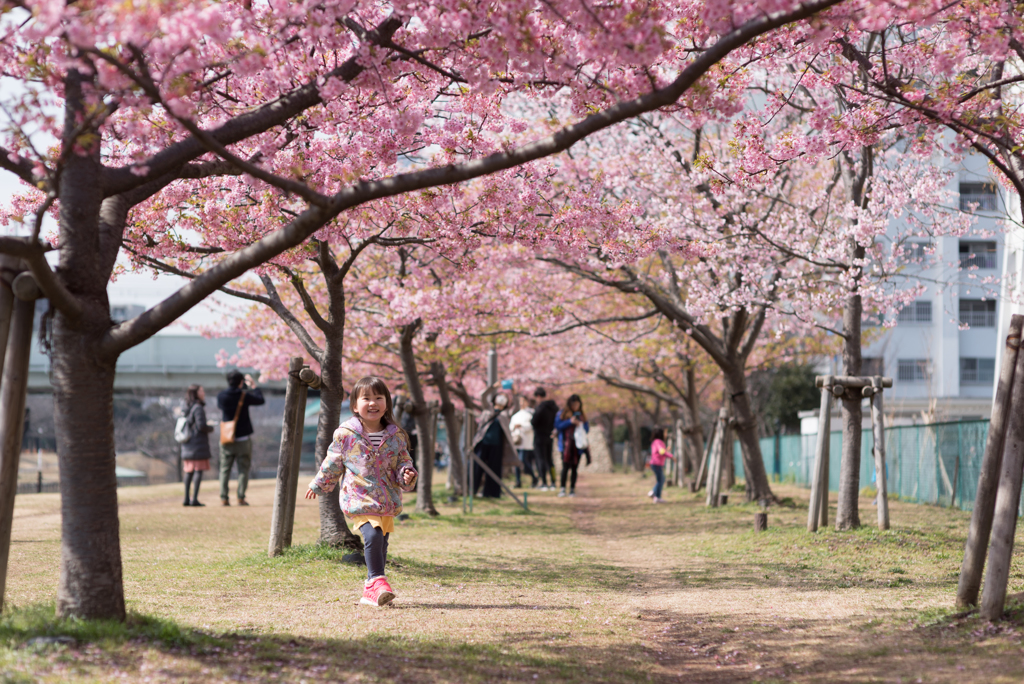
(195, 453)
(493, 445)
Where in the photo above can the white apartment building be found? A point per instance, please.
(943, 352)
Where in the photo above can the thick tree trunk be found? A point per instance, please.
(333, 529)
(451, 424)
(847, 513)
(746, 431)
(424, 491)
(90, 584)
(90, 555)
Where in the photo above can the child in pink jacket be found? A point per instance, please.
(659, 452)
(373, 452)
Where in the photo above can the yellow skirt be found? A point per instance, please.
(385, 523)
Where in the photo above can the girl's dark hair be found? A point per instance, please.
(567, 411)
(375, 385)
(658, 434)
(192, 395)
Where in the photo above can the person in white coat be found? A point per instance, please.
(522, 439)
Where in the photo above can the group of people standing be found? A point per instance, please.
(525, 441)
(235, 448)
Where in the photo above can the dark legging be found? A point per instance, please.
(542, 459)
(196, 477)
(566, 469)
(375, 550)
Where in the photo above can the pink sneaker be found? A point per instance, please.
(378, 593)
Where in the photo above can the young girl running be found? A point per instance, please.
(374, 453)
(659, 453)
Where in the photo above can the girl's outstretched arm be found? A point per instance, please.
(406, 474)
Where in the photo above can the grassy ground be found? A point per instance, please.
(605, 587)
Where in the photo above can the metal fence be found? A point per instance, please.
(937, 464)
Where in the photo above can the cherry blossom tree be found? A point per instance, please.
(284, 116)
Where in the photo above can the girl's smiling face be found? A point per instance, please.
(370, 407)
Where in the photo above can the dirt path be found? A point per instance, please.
(758, 619)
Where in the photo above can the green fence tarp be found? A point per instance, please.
(936, 464)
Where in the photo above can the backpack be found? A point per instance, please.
(183, 429)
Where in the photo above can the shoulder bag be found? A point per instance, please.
(227, 427)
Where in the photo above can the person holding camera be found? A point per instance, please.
(236, 431)
(572, 428)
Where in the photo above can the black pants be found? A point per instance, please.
(375, 550)
(542, 459)
(491, 455)
(526, 456)
(566, 469)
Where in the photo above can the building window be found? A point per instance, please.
(977, 197)
(977, 371)
(872, 365)
(918, 251)
(977, 313)
(977, 254)
(916, 312)
(913, 370)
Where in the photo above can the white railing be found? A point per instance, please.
(983, 201)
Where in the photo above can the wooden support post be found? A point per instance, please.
(717, 454)
(988, 479)
(878, 433)
(284, 459)
(466, 448)
(826, 476)
(682, 449)
(292, 487)
(702, 471)
(12, 417)
(821, 457)
(1004, 520)
(760, 522)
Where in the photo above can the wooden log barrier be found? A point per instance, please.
(988, 480)
(760, 522)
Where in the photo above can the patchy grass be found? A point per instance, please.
(605, 587)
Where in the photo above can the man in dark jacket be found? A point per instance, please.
(240, 450)
(543, 423)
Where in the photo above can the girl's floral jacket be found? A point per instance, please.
(372, 482)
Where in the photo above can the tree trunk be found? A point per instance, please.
(90, 584)
(451, 424)
(333, 528)
(424, 492)
(847, 514)
(746, 432)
